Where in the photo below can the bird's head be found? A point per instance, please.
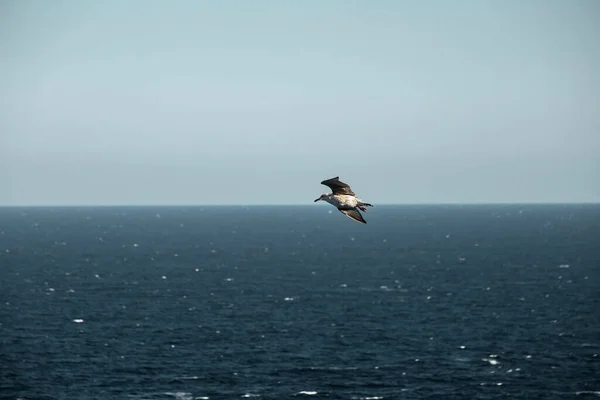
(324, 195)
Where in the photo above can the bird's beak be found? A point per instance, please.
(317, 200)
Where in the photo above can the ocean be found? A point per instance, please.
(289, 302)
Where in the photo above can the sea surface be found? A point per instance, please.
(294, 302)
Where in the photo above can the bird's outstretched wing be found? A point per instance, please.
(337, 186)
(355, 215)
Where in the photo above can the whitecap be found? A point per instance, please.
(491, 361)
(367, 398)
(180, 395)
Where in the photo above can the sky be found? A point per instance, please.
(146, 102)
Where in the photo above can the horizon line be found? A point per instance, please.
(523, 203)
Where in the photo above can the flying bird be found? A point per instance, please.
(344, 199)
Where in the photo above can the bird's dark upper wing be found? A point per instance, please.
(337, 186)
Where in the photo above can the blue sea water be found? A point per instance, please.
(423, 302)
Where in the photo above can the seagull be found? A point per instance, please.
(344, 199)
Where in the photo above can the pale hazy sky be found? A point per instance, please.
(245, 102)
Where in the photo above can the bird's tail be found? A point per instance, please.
(362, 205)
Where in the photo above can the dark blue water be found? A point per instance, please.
(465, 302)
